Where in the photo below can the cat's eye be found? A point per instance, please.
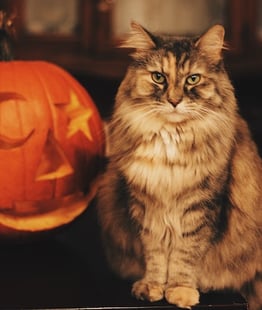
(158, 78)
(193, 79)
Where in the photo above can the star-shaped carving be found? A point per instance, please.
(79, 117)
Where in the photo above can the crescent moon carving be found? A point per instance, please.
(7, 143)
(5, 96)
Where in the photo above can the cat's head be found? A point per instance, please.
(176, 79)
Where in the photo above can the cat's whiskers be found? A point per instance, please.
(201, 113)
(143, 111)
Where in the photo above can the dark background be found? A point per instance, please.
(66, 269)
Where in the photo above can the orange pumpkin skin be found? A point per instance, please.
(51, 143)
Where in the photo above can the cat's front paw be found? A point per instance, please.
(145, 290)
(183, 297)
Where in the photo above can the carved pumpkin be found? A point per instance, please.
(51, 142)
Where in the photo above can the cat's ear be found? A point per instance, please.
(139, 39)
(211, 43)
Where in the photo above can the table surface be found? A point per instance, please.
(66, 270)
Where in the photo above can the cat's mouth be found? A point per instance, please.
(176, 112)
(176, 118)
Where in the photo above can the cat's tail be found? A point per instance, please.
(252, 291)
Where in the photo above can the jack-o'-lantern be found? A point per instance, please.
(51, 142)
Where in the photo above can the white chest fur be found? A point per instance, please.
(161, 165)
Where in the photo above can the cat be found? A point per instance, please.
(180, 204)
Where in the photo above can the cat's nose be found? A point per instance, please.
(174, 100)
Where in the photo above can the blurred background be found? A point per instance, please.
(82, 36)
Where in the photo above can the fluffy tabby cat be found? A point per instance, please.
(180, 203)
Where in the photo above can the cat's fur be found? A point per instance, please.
(180, 203)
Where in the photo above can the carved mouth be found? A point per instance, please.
(48, 214)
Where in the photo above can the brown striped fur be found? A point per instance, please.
(180, 202)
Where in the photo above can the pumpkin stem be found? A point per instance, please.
(6, 30)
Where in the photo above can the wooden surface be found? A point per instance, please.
(67, 270)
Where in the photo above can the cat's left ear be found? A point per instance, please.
(211, 43)
(139, 39)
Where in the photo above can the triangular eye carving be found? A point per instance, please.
(53, 162)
